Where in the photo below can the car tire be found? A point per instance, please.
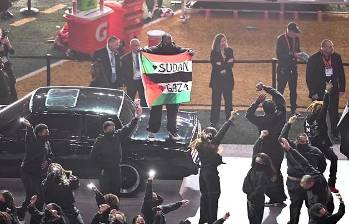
(132, 179)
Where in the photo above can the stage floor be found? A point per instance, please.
(232, 198)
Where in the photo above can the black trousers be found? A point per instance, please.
(297, 196)
(32, 186)
(333, 112)
(12, 83)
(110, 180)
(135, 86)
(255, 212)
(72, 216)
(210, 190)
(330, 155)
(217, 92)
(156, 114)
(275, 191)
(290, 76)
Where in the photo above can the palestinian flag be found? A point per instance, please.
(167, 79)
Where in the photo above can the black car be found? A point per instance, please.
(75, 116)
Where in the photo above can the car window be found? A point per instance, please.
(127, 110)
(61, 126)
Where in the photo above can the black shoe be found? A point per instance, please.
(9, 14)
(275, 204)
(174, 136)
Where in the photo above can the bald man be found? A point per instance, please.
(326, 66)
(131, 72)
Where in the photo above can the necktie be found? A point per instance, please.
(113, 69)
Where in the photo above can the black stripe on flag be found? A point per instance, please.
(168, 78)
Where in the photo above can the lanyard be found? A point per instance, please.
(328, 63)
(288, 43)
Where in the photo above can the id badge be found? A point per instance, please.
(329, 72)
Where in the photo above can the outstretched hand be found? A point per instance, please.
(263, 134)
(233, 115)
(292, 119)
(226, 216)
(33, 200)
(285, 144)
(259, 86)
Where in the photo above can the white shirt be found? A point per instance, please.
(136, 71)
(111, 55)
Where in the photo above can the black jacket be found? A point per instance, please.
(208, 157)
(315, 217)
(127, 68)
(165, 49)
(284, 54)
(107, 151)
(315, 126)
(102, 55)
(57, 192)
(316, 78)
(46, 217)
(36, 152)
(315, 157)
(271, 122)
(149, 204)
(320, 192)
(217, 79)
(255, 184)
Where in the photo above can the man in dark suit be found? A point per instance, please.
(326, 66)
(131, 72)
(287, 52)
(110, 58)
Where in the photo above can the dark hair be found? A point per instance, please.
(266, 164)
(268, 106)
(112, 39)
(112, 200)
(107, 124)
(8, 199)
(135, 218)
(216, 44)
(38, 128)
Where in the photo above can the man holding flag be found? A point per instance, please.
(167, 81)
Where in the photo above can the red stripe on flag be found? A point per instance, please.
(152, 90)
(168, 58)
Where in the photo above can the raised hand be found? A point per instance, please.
(233, 115)
(292, 119)
(185, 202)
(259, 86)
(285, 144)
(226, 216)
(263, 134)
(33, 200)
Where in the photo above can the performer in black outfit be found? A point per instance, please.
(165, 47)
(152, 205)
(131, 72)
(6, 49)
(325, 66)
(315, 157)
(209, 154)
(313, 181)
(316, 128)
(109, 56)
(343, 127)
(58, 188)
(255, 184)
(37, 158)
(273, 121)
(107, 153)
(287, 51)
(319, 214)
(222, 79)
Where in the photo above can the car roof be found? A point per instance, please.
(77, 99)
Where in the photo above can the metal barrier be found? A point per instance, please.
(48, 57)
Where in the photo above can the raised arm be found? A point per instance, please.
(277, 97)
(251, 112)
(220, 134)
(171, 207)
(286, 129)
(127, 129)
(148, 198)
